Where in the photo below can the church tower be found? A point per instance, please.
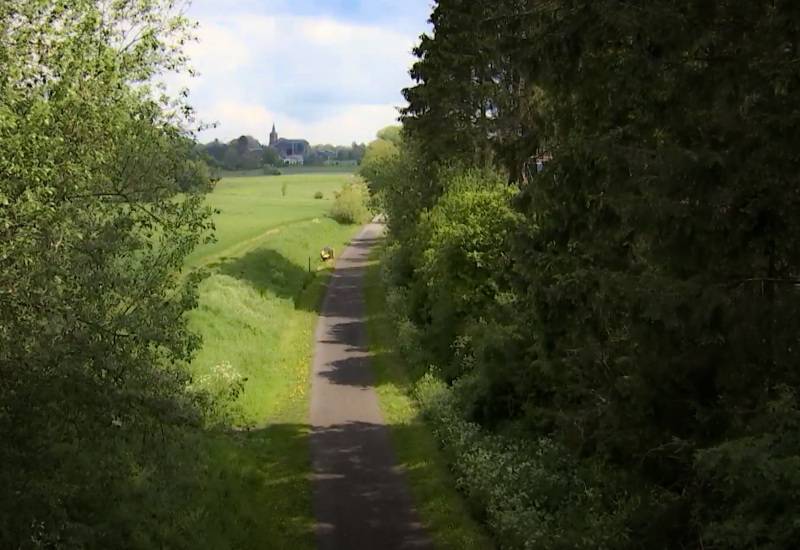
(273, 135)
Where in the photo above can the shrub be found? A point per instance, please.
(271, 171)
(461, 264)
(350, 206)
(217, 395)
(318, 195)
(530, 493)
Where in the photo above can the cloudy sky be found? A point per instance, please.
(329, 71)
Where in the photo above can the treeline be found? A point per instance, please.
(338, 153)
(618, 330)
(101, 199)
(247, 153)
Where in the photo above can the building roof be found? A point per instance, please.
(287, 140)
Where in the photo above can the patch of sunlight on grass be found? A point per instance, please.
(442, 508)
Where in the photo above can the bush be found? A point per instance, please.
(461, 266)
(271, 171)
(530, 493)
(350, 206)
(318, 195)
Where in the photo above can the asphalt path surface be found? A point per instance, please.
(360, 497)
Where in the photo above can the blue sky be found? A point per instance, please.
(328, 71)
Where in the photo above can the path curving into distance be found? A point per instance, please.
(360, 497)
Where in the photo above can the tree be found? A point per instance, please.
(645, 320)
(270, 157)
(380, 152)
(216, 150)
(358, 151)
(93, 230)
(315, 159)
(241, 145)
(392, 134)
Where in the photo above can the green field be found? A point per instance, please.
(345, 167)
(257, 314)
(252, 206)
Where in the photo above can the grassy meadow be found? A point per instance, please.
(254, 205)
(256, 316)
(345, 167)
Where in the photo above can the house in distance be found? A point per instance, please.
(293, 151)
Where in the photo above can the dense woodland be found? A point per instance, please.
(608, 346)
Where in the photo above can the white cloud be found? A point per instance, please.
(325, 80)
(325, 32)
(219, 48)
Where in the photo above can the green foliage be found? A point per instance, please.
(461, 266)
(319, 195)
(531, 492)
(381, 152)
(752, 481)
(404, 186)
(640, 312)
(101, 199)
(378, 149)
(270, 157)
(392, 134)
(350, 205)
(284, 188)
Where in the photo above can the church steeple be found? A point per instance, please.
(273, 136)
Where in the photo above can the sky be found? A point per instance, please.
(328, 71)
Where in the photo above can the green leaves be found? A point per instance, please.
(93, 229)
(636, 300)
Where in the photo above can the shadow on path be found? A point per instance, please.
(262, 474)
(360, 497)
(354, 463)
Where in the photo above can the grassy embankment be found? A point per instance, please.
(432, 487)
(257, 313)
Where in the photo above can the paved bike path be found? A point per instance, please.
(360, 498)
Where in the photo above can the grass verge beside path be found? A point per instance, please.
(257, 313)
(441, 507)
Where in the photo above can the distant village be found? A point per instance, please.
(248, 153)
